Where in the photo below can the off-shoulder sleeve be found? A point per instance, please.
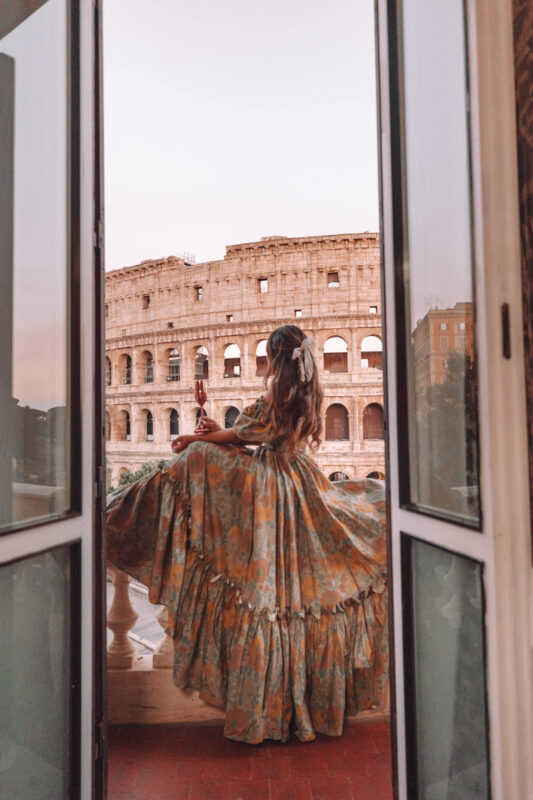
(251, 426)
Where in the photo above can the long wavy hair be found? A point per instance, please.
(292, 405)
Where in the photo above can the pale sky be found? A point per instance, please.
(229, 121)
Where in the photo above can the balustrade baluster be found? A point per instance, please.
(121, 617)
(163, 657)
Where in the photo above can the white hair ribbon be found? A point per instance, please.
(305, 359)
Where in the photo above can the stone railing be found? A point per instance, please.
(140, 687)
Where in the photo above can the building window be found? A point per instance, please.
(148, 367)
(146, 301)
(443, 342)
(230, 416)
(149, 427)
(173, 366)
(335, 355)
(261, 358)
(444, 363)
(337, 424)
(229, 317)
(125, 364)
(333, 280)
(460, 341)
(462, 326)
(124, 432)
(232, 361)
(372, 352)
(377, 476)
(263, 285)
(108, 371)
(201, 364)
(373, 309)
(297, 312)
(106, 309)
(174, 423)
(444, 326)
(199, 292)
(373, 422)
(338, 476)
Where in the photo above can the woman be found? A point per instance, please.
(273, 576)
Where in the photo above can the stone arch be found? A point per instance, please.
(373, 421)
(108, 371)
(124, 366)
(337, 423)
(376, 475)
(123, 425)
(107, 426)
(232, 361)
(335, 354)
(261, 361)
(146, 425)
(201, 363)
(146, 367)
(172, 361)
(173, 422)
(372, 352)
(338, 476)
(230, 416)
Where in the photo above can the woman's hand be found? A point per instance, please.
(207, 425)
(181, 442)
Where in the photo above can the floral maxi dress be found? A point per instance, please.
(273, 578)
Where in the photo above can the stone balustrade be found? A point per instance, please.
(140, 687)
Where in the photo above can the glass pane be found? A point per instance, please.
(35, 687)
(34, 264)
(439, 312)
(449, 675)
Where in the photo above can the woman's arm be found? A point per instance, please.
(218, 437)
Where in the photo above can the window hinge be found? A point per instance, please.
(99, 484)
(506, 331)
(98, 235)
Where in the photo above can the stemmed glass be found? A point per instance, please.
(200, 395)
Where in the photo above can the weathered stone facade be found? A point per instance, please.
(328, 285)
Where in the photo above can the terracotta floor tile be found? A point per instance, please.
(298, 789)
(194, 767)
(307, 767)
(346, 764)
(237, 768)
(331, 789)
(181, 790)
(209, 790)
(274, 768)
(249, 790)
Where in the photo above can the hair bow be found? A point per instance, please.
(305, 359)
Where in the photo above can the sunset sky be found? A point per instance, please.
(225, 122)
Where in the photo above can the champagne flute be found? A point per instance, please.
(200, 395)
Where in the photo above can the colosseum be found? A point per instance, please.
(169, 321)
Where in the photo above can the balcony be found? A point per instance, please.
(195, 762)
(186, 746)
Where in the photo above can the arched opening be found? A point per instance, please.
(378, 476)
(149, 426)
(372, 352)
(335, 354)
(232, 361)
(147, 367)
(338, 476)
(107, 426)
(373, 422)
(125, 368)
(261, 358)
(230, 416)
(124, 426)
(337, 424)
(173, 365)
(198, 414)
(108, 371)
(174, 422)
(201, 364)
